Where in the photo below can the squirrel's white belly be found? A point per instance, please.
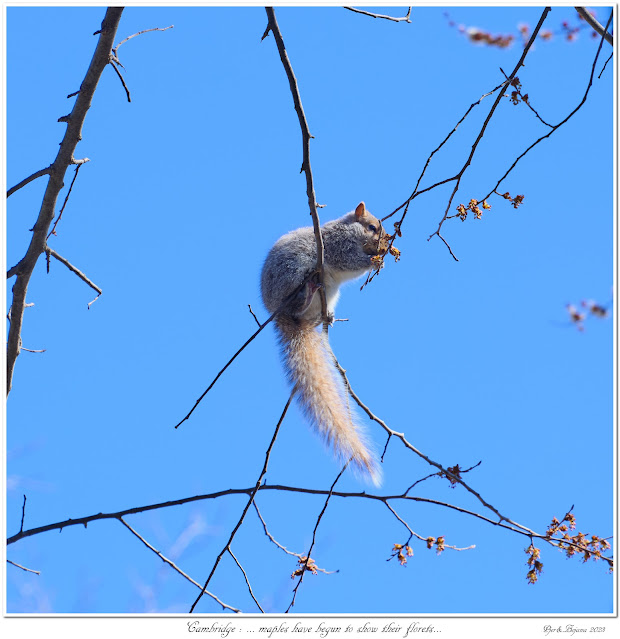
(337, 277)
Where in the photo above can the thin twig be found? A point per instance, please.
(32, 350)
(438, 474)
(62, 260)
(230, 361)
(253, 315)
(120, 76)
(30, 178)
(316, 526)
(174, 566)
(21, 527)
(378, 15)
(595, 24)
(527, 102)
(36, 572)
(115, 49)
(64, 204)
(247, 581)
(271, 537)
(279, 545)
(611, 55)
(247, 506)
(403, 522)
(412, 533)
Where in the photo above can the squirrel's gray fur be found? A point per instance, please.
(349, 244)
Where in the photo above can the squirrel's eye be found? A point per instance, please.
(372, 227)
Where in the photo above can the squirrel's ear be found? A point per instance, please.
(360, 210)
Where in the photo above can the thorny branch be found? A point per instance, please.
(249, 503)
(84, 521)
(104, 55)
(24, 269)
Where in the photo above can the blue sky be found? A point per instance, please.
(187, 188)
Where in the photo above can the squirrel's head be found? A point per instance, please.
(373, 230)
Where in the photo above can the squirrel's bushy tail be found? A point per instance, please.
(321, 393)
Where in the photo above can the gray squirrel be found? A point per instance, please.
(349, 243)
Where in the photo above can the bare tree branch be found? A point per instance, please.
(556, 126)
(253, 315)
(605, 65)
(486, 122)
(30, 178)
(247, 581)
(62, 260)
(83, 521)
(378, 15)
(115, 49)
(247, 342)
(57, 170)
(21, 527)
(527, 102)
(230, 361)
(174, 566)
(271, 537)
(64, 204)
(305, 166)
(457, 178)
(283, 548)
(306, 560)
(36, 572)
(595, 24)
(118, 73)
(392, 433)
(247, 506)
